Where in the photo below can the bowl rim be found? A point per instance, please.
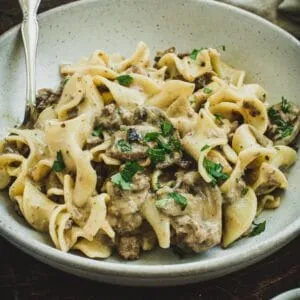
(255, 252)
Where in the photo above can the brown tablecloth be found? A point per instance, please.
(22, 277)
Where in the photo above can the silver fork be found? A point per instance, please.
(30, 31)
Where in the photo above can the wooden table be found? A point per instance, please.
(22, 277)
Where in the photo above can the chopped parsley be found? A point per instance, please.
(125, 80)
(273, 114)
(245, 191)
(124, 146)
(124, 178)
(66, 79)
(163, 147)
(215, 171)
(131, 168)
(223, 47)
(219, 118)
(284, 128)
(58, 164)
(285, 105)
(179, 199)
(151, 136)
(156, 155)
(118, 180)
(287, 131)
(258, 229)
(166, 128)
(194, 53)
(175, 144)
(207, 90)
(98, 131)
(204, 147)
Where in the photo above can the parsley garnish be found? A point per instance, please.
(273, 114)
(151, 136)
(124, 146)
(204, 148)
(207, 90)
(195, 52)
(118, 180)
(284, 129)
(58, 164)
(219, 118)
(179, 199)
(66, 79)
(223, 47)
(258, 229)
(166, 128)
(125, 80)
(156, 155)
(175, 144)
(215, 171)
(285, 105)
(245, 191)
(287, 131)
(124, 178)
(98, 131)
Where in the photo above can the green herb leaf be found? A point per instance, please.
(166, 128)
(58, 164)
(124, 178)
(98, 131)
(195, 52)
(207, 90)
(124, 146)
(287, 131)
(130, 169)
(245, 191)
(125, 80)
(175, 144)
(66, 79)
(162, 203)
(215, 171)
(151, 136)
(273, 114)
(179, 199)
(285, 105)
(156, 155)
(223, 47)
(258, 229)
(219, 118)
(284, 128)
(118, 180)
(204, 147)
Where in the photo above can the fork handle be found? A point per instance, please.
(30, 31)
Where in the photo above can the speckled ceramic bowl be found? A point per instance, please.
(269, 55)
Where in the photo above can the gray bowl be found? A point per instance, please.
(268, 54)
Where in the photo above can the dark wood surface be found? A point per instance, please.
(22, 277)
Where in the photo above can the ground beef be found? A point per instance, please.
(203, 80)
(45, 98)
(129, 247)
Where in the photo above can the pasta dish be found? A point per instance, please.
(128, 154)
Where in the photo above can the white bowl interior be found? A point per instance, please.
(270, 57)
